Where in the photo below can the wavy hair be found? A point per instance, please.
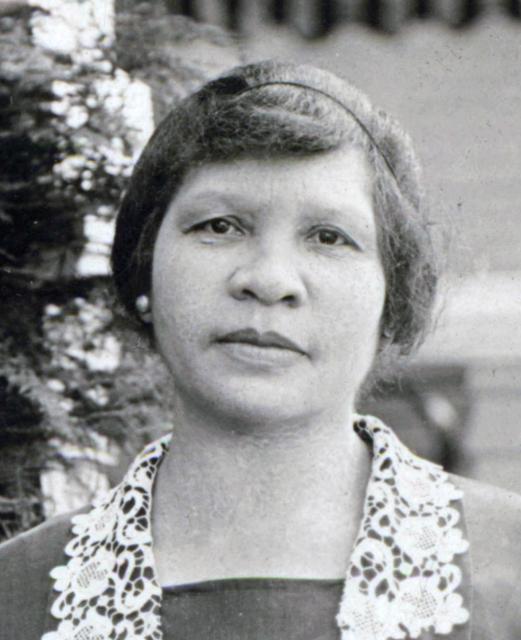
(279, 109)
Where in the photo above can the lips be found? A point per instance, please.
(267, 339)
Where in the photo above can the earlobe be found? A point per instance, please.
(143, 308)
(386, 342)
(387, 334)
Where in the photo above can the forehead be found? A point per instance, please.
(338, 177)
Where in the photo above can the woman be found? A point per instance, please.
(273, 241)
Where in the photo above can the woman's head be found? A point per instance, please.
(268, 287)
(272, 110)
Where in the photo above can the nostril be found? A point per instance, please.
(290, 300)
(247, 294)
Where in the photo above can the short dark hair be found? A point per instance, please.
(274, 108)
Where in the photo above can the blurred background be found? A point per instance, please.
(82, 83)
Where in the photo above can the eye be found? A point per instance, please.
(332, 237)
(327, 236)
(218, 227)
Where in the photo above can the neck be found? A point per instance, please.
(280, 486)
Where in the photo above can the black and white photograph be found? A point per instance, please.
(260, 320)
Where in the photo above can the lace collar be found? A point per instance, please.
(402, 579)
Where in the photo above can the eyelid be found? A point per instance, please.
(349, 240)
(199, 226)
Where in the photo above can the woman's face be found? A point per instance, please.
(268, 288)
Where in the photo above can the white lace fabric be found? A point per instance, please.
(402, 579)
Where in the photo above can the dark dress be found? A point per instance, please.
(483, 603)
(252, 609)
(240, 609)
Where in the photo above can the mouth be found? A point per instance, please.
(267, 340)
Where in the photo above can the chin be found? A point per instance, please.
(254, 404)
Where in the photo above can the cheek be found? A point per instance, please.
(356, 300)
(183, 290)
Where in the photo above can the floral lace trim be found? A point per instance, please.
(400, 582)
(108, 589)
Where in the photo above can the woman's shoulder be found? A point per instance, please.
(25, 563)
(493, 523)
(493, 520)
(38, 545)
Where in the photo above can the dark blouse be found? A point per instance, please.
(252, 609)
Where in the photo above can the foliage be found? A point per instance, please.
(76, 383)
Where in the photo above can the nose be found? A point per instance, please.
(269, 277)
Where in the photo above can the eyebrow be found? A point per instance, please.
(212, 197)
(236, 200)
(348, 214)
(335, 213)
